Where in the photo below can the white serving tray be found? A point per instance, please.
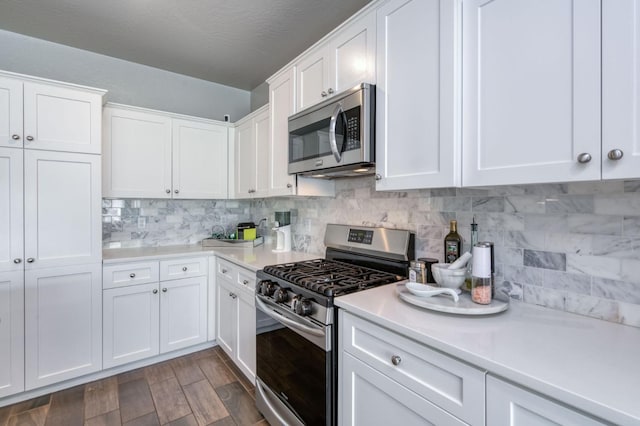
(442, 303)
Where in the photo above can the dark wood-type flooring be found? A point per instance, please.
(203, 388)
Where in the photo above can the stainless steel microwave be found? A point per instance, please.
(336, 137)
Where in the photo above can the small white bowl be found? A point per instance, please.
(448, 278)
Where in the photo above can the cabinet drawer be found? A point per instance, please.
(448, 383)
(247, 278)
(227, 270)
(183, 268)
(125, 274)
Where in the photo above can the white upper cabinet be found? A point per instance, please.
(282, 104)
(252, 146)
(48, 115)
(11, 208)
(150, 154)
(344, 60)
(531, 91)
(417, 115)
(200, 160)
(620, 89)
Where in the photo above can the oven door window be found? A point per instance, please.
(296, 370)
(312, 141)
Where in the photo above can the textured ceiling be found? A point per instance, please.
(233, 42)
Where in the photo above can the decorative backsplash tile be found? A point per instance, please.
(573, 247)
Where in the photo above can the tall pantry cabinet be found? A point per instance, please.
(50, 232)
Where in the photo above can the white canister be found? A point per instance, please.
(481, 274)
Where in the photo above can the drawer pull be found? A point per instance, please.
(184, 269)
(224, 271)
(164, 290)
(396, 360)
(132, 275)
(155, 291)
(245, 282)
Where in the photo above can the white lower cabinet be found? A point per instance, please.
(383, 372)
(11, 333)
(63, 323)
(512, 405)
(143, 319)
(236, 315)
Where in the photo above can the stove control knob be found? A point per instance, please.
(267, 288)
(303, 307)
(281, 295)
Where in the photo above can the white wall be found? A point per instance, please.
(259, 96)
(127, 82)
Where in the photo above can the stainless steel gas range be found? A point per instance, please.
(296, 378)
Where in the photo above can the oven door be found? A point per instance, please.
(295, 376)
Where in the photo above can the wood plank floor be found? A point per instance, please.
(203, 388)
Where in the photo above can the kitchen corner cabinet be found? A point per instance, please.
(11, 333)
(63, 323)
(153, 307)
(387, 378)
(512, 405)
(39, 114)
(252, 154)
(236, 315)
(531, 98)
(151, 154)
(344, 60)
(417, 112)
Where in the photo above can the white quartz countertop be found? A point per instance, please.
(584, 362)
(253, 258)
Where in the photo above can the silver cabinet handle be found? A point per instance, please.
(29, 138)
(323, 94)
(184, 269)
(132, 275)
(396, 360)
(164, 290)
(245, 282)
(17, 260)
(330, 91)
(378, 177)
(155, 291)
(30, 260)
(584, 158)
(177, 191)
(289, 185)
(168, 191)
(224, 271)
(15, 137)
(615, 154)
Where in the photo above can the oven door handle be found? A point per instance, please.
(276, 315)
(333, 143)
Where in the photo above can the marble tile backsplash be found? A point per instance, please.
(572, 247)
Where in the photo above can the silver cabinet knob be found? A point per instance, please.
(155, 291)
(177, 191)
(184, 269)
(584, 158)
(224, 271)
(233, 295)
(330, 91)
(378, 177)
(17, 260)
(29, 138)
(615, 154)
(245, 282)
(30, 260)
(396, 360)
(289, 185)
(15, 137)
(323, 94)
(164, 290)
(168, 191)
(132, 275)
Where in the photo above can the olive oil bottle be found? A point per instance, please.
(452, 243)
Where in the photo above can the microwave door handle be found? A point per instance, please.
(332, 132)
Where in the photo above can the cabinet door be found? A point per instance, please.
(62, 209)
(183, 313)
(62, 119)
(246, 333)
(245, 160)
(262, 143)
(11, 333)
(510, 405)
(621, 88)
(131, 324)
(137, 154)
(368, 397)
(11, 215)
(63, 323)
(352, 54)
(312, 78)
(531, 98)
(281, 105)
(200, 160)
(11, 113)
(417, 142)
(226, 316)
